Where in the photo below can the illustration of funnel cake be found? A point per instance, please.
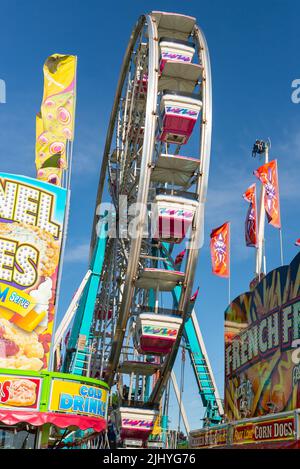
(37, 256)
(31, 221)
(18, 392)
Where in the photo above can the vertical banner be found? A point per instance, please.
(251, 237)
(220, 250)
(55, 122)
(268, 176)
(31, 222)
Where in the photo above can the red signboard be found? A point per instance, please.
(264, 431)
(19, 392)
(267, 432)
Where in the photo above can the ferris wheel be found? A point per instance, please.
(155, 169)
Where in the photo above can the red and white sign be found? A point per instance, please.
(266, 431)
(20, 392)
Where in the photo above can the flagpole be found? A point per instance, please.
(260, 252)
(229, 276)
(265, 262)
(69, 157)
(281, 246)
(280, 227)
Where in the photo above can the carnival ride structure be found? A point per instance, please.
(133, 307)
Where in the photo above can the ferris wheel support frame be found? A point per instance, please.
(180, 403)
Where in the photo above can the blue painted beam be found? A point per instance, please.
(85, 311)
(199, 364)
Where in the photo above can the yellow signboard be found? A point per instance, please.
(31, 224)
(15, 300)
(78, 398)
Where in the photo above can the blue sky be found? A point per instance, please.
(254, 47)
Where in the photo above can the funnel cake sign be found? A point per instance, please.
(262, 332)
(18, 391)
(31, 223)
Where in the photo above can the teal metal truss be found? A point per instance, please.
(76, 359)
(200, 363)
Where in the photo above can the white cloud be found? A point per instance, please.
(79, 253)
(228, 181)
(288, 154)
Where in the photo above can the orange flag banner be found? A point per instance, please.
(220, 250)
(251, 237)
(268, 175)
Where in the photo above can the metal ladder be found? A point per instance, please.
(81, 362)
(204, 381)
(203, 372)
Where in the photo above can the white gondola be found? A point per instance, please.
(178, 76)
(114, 156)
(172, 217)
(141, 83)
(135, 423)
(179, 113)
(175, 50)
(175, 169)
(159, 279)
(156, 333)
(137, 129)
(174, 25)
(145, 368)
